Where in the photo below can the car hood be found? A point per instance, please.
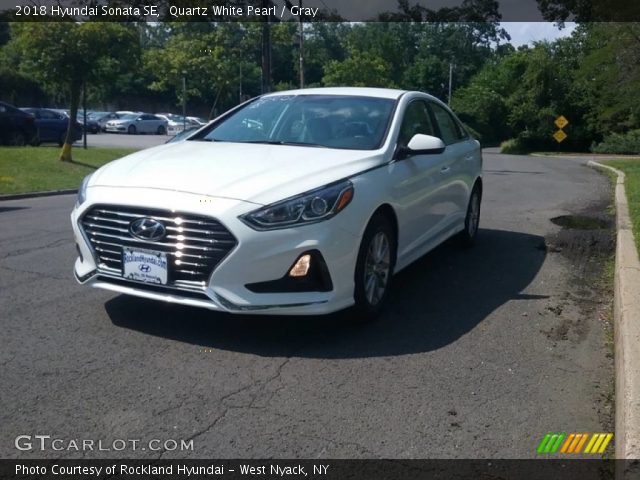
(256, 173)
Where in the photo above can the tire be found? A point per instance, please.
(162, 130)
(374, 269)
(18, 139)
(131, 130)
(468, 236)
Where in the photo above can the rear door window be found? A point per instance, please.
(450, 131)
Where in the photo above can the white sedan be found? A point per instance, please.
(134, 123)
(300, 202)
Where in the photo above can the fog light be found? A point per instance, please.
(301, 267)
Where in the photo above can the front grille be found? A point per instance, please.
(194, 244)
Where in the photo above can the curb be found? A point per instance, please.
(18, 196)
(626, 311)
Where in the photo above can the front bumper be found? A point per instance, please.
(257, 257)
(115, 128)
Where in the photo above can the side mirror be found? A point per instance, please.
(420, 145)
(425, 145)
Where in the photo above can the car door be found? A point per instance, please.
(45, 120)
(461, 156)
(417, 184)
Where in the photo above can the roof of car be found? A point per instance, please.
(351, 91)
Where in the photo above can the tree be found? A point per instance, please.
(214, 58)
(69, 55)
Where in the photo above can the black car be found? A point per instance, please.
(52, 125)
(17, 127)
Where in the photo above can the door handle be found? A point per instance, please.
(469, 158)
(444, 170)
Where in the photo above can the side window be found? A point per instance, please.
(47, 115)
(449, 128)
(416, 120)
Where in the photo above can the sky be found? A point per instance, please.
(523, 33)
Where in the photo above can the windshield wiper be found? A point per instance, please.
(282, 142)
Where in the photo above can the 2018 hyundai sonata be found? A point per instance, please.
(300, 202)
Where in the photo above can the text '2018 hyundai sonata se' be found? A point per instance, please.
(300, 202)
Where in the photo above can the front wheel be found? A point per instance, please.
(18, 139)
(472, 219)
(374, 268)
(162, 130)
(131, 130)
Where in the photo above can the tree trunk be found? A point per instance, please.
(65, 155)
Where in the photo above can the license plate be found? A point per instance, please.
(145, 266)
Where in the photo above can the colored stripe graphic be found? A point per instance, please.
(573, 443)
(605, 442)
(582, 441)
(599, 442)
(550, 443)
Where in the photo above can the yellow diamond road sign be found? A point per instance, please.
(561, 122)
(559, 136)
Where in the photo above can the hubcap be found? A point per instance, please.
(474, 215)
(376, 268)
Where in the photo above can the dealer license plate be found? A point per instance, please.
(145, 266)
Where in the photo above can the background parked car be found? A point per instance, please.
(92, 126)
(17, 127)
(197, 121)
(183, 135)
(97, 121)
(175, 123)
(52, 125)
(138, 123)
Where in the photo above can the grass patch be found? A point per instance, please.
(631, 168)
(37, 169)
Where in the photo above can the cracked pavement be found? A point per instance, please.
(459, 366)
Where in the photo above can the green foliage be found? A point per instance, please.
(513, 146)
(620, 143)
(359, 70)
(19, 89)
(631, 169)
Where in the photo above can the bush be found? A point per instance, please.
(621, 143)
(514, 146)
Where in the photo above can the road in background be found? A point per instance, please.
(479, 353)
(116, 140)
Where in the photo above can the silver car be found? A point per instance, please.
(137, 123)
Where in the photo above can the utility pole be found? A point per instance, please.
(301, 46)
(240, 86)
(450, 81)
(84, 109)
(184, 101)
(266, 50)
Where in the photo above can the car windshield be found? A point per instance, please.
(97, 115)
(129, 116)
(333, 121)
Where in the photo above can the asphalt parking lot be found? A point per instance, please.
(113, 140)
(479, 354)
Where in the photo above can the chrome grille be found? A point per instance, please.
(194, 244)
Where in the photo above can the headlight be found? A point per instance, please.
(82, 191)
(309, 207)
